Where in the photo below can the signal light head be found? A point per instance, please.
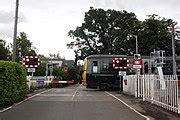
(31, 61)
(120, 63)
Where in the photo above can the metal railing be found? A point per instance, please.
(159, 90)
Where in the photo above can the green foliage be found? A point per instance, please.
(13, 85)
(41, 70)
(4, 50)
(24, 46)
(155, 35)
(72, 73)
(105, 32)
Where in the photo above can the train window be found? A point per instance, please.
(95, 66)
(95, 63)
(105, 66)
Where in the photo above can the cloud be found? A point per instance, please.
(7, 17)
(6, 31)
(7, 22)
(136, 3)
(167, 9)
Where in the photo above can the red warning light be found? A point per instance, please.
(120, 63)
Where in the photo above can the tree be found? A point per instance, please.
(4, 50)
(24, 46)
(103, 32)
(155, 35)
(41, 69)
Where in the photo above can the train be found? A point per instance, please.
(102, 71)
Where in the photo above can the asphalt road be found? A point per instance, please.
(71, 103)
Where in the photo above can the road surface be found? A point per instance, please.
(71, 103)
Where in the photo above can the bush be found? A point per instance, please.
(72, 74)
(13, 87)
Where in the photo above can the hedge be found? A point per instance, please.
(13, 87)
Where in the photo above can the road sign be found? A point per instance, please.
(122, 73)
(137, 66)
(31, 69)
(65, 69)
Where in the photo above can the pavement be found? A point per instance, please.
(79, 103)
(152, 111)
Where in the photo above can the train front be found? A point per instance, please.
(103, 71)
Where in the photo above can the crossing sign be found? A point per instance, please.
(31, 70)
(122, 73)
(31, 61)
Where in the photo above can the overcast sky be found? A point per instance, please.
(47, 22)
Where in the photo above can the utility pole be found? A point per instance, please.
(173, 51)
(15, 31)
(136, 44)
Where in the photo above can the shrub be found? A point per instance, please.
(72, 74)
(13, 87)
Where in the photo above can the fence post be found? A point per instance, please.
(143, 82)
(178, 103)
(135, 77)
(152, 88)
(28, 80)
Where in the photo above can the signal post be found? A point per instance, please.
(121, 64)
(31, 63)
(137, 64)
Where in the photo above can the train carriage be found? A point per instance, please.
(102, 71)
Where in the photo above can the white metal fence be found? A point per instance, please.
(159, 90)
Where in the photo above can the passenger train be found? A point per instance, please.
(102, 71)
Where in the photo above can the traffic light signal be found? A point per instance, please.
(137, 56)
(120, 63)
(137, 61)
(31, 61)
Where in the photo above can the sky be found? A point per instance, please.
(47, 22)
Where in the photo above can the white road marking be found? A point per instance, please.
(75, 92)
(24, 100)
(127, 105)
(5, 109)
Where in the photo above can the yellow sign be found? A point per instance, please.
(65, 69)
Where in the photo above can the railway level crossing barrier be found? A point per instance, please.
(43, 80)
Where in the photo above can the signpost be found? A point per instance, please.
(122, 73)
(137, 64)
(31, 62)
(31, 69)
(137, 61)
(122, 64)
